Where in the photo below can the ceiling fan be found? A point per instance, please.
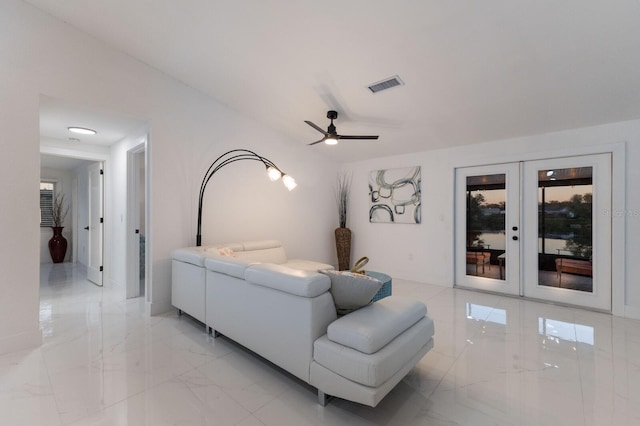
(331, 137)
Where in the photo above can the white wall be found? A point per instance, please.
(424, 253)
(41, 55)
(62, 179)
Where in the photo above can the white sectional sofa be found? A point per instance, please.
(284, 311)
(188, 272)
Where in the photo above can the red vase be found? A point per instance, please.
(57, 245)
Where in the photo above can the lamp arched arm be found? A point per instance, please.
(245, 153)
(267, 164)
(219, 163)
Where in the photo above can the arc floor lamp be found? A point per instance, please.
(232, 156)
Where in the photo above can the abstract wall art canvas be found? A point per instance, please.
(394, 195)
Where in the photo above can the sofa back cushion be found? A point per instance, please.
(263, 251)
(287, 280)
(268, 255)
(227, 265)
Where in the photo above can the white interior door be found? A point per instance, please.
(96, 225)
(567, 239)
(488, 228)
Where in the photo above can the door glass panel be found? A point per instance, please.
(565, 219)
(486, 236)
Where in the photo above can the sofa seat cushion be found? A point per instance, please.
(293, 281)
(228, 265)
(376, 368)
(306, 265)
(369, 329)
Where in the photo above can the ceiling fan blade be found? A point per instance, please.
(316, 127)
(313, 143)
(357, 137)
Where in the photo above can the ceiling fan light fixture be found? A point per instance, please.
(331, 136)
(81, 130)
(331, 141)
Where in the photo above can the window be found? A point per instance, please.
(47, 191)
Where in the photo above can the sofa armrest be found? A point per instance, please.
(287, 280)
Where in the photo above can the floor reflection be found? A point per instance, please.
(496, 360)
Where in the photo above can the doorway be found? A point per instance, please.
(534, 229)
(137, 247)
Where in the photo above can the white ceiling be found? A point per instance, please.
(474, 70)
(60, 163)
(57, 115)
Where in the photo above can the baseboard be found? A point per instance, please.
(21, 341)
(631, 312)
(161, 307)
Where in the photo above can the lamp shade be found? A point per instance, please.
(289, 182)
(274, 174)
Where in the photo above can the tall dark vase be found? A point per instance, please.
(57, 245)
(343, 247)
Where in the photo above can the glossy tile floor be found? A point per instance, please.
(496, 360)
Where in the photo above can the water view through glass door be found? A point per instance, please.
(486, 232)
(565, 228)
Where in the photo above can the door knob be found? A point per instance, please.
(86, 228)
(514, 238)
(515, 228)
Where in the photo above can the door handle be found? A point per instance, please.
(514, 238)
(86, 228)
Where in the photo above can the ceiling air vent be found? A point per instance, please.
(387, 83)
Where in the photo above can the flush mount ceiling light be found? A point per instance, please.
(81, 130)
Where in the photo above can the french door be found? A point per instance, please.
(538, 229)
(568, 244)
(488, 227)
